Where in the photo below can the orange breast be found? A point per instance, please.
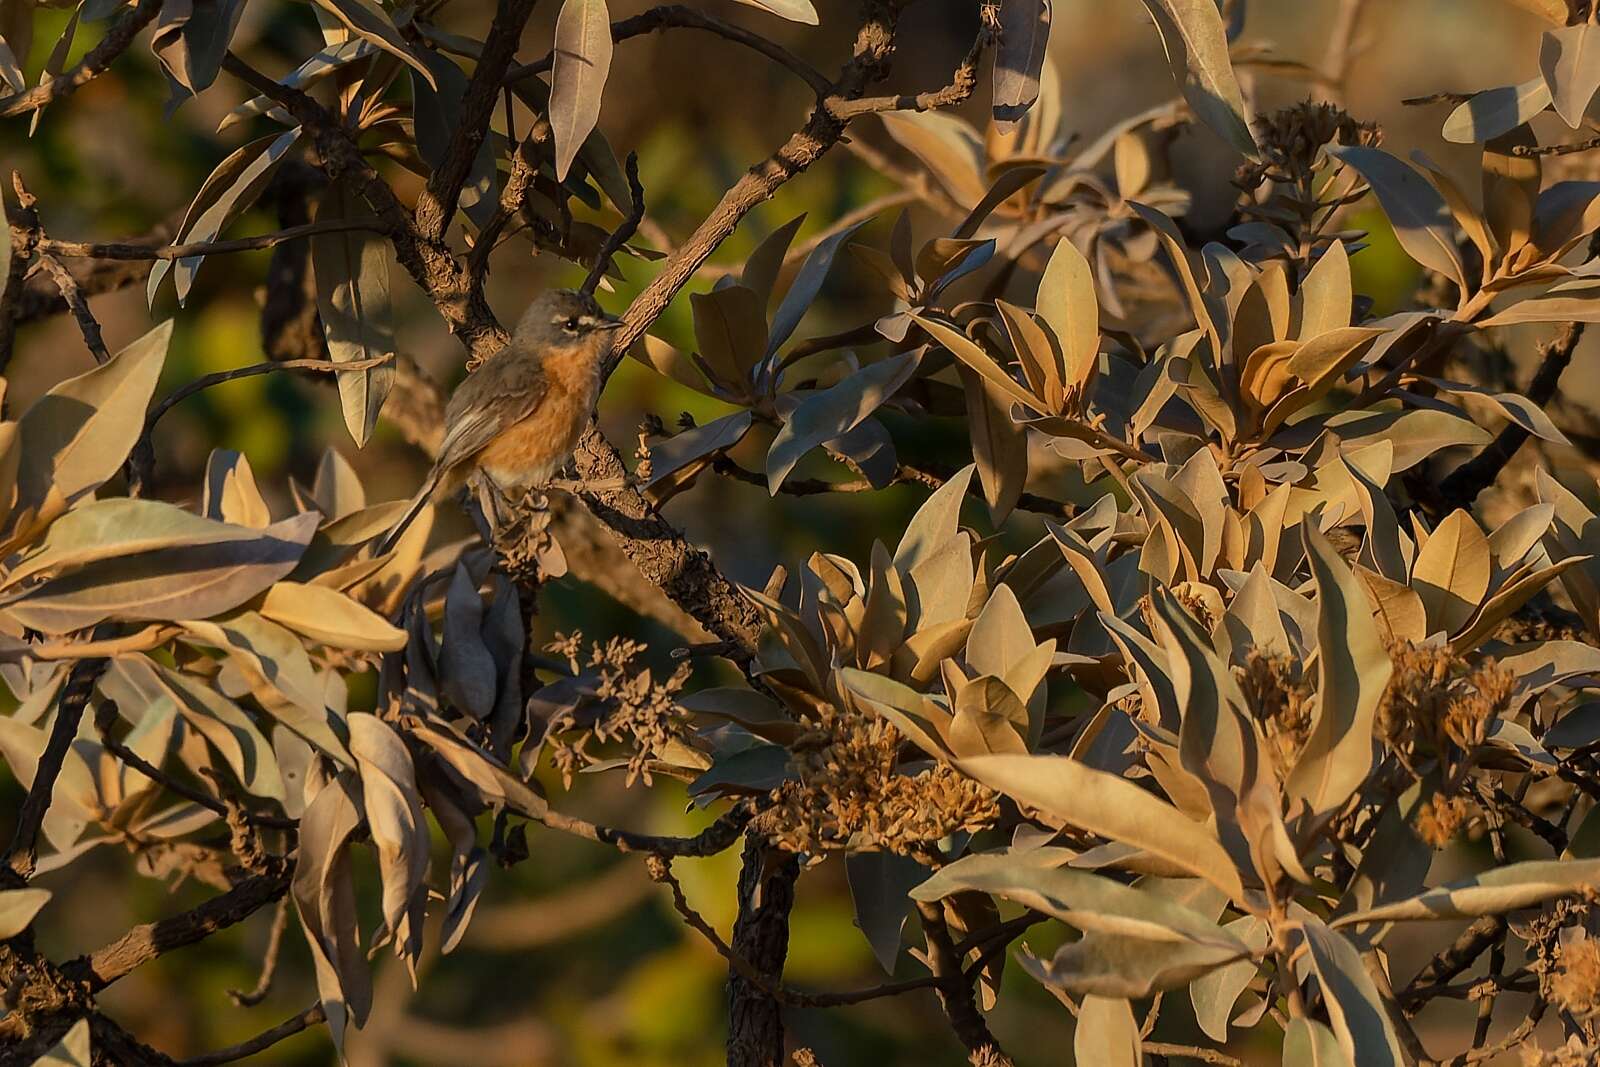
(532, 451)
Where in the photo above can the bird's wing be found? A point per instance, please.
(491, 399)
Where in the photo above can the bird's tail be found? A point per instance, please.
(413, 509)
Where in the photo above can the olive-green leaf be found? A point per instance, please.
(1354, 1007)
(1487, 115)
(879, 882)
(835, 411)
(1111, 806)
(793, 10)
(226, 194)
(1352, 671)
(280, 673)
(182, 582)
(947, 146)
(79, 433)
(1196, 42)
(1325, 295)
(1067, 302)
(1039, 879)
(73, 1050)
(683, 449)
(1215, 994)
(797, 299)
(1106, 1034)
(1308, 1043)
(1421, 219)
(1569, 59)
(730, 326)
(934, 524)
(330, 617)
(367, 20)
(352, 269)
(972, 354)
(1518, 885)
(578, 80)
(1452, 572)
(121, 526)
(1024, 36)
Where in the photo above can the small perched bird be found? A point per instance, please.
(518, 416)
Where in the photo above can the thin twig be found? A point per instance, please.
(206, 381)
(269, 960)
(437, 204)
(1190, 1052)
(156, 774)
(88, 325)
(619, 236)
(94, 63)
(135, 251)
(149, 941)
(661, 872)
(1527, 151)
(264, 1040)
(677, 16)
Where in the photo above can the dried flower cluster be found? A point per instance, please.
(631, 706)
(1439, 701)
(850, 792)
(1279, 697)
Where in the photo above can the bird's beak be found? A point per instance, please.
(611, 324)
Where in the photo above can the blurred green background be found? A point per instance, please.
(574, 956)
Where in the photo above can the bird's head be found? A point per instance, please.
(564, 320)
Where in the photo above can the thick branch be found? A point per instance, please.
(151, 940)
(429, 261)
(437, 205)
(24, 238)
(93, 64)
(669, 562)
(23, 852)
(760, 939)
(959, 1007)
(1464, 484)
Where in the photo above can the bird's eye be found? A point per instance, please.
(571, 325)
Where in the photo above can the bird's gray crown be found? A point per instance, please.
(558, 316)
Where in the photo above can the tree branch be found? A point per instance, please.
(428, 260)
(760, 939)
(437, 204)
(959, 1007)
(93, 64)
(1467, 481)
(22, 855)
(137, 251)
(264, 1040)
(677, 16)
(148, 941)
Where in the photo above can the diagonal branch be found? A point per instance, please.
(150, 940)
(437, 204)
(1467, 481)
(22, 854)
(429, 260)
(93, 64)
